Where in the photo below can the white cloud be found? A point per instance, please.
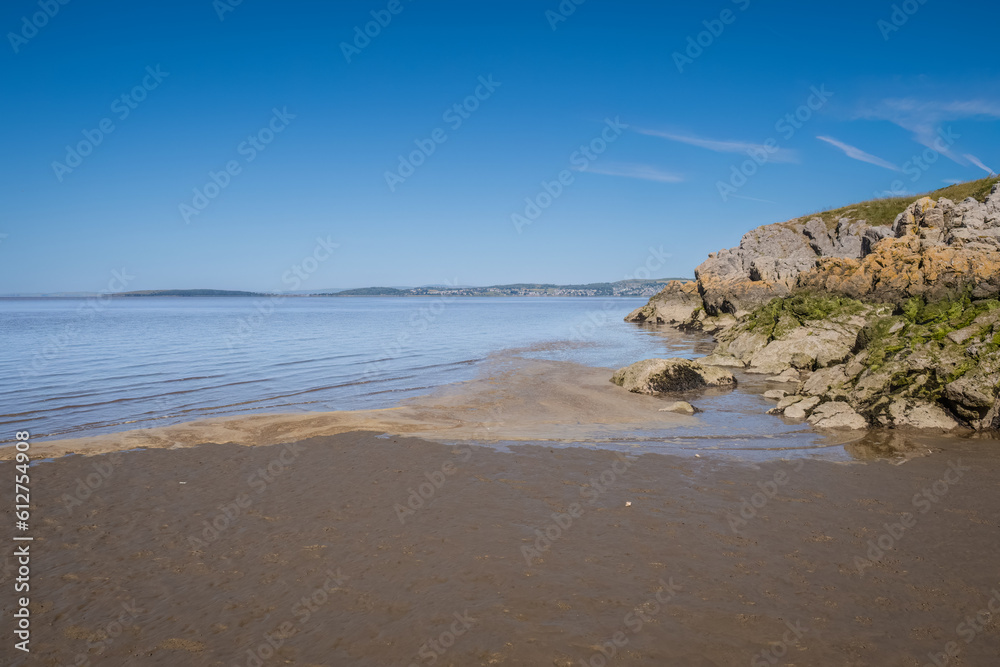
(858, 154)
(979, 163)
(724, 146)
(638, 171)
(925, 120)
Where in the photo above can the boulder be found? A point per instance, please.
(675, 303)
(789, 400)
(837, 415)
(681, 407)
(825, 380)
(788, 375)
(800, 409)
(774, 394)
(723, 360)
(921, 414)
(820, 344)
(657, 376)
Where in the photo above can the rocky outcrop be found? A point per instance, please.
(675, 303)
(932, 249)
(926, 364)
(891, 325)
(659, 376)
(937, 249)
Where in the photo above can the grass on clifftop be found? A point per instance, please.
(884, 211)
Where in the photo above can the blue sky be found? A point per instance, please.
(209, 85)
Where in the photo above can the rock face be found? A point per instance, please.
(658, 376)
(936, 249)
(673, 304)
(933, 248)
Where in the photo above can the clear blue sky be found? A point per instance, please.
(324, 174)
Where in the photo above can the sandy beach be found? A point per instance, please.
(363, 549)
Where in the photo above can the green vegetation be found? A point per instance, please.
(884, 211)
(782, 314)
(919, 324)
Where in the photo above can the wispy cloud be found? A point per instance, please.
(724, 146)
(979, 163)
(639, 171)
(858, 154)
(926, 119)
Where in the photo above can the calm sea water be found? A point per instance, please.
(76, 367)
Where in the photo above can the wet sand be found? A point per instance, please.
(514, 399)
(317, 564)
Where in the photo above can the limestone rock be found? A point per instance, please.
(675, 303)
(920, 414)
(800, 409)
(788, 375)
(821, 345)
(788, 400)
(824, 380)
(836, 415)
(723, 360)
(657, 376)
(774, 394)
(682, 407)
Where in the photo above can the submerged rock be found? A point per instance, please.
(681, 407)
(658, 376)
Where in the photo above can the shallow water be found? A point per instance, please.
(77, 367)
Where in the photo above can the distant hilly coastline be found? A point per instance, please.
(621, 288)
